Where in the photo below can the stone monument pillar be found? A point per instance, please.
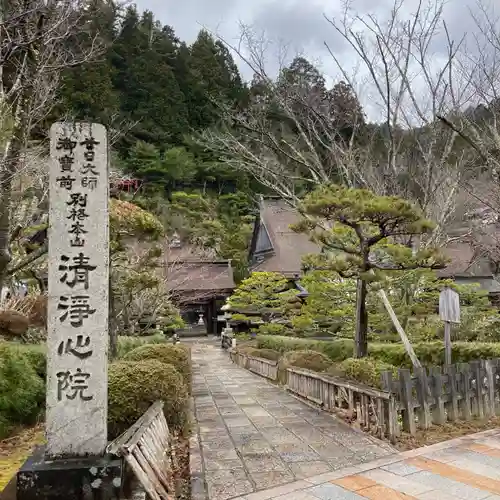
(77, 344)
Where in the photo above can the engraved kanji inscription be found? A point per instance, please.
(89, 182)
(71, 385)
(66, 181)
(76, 308)
(66, 163)
(79, 348)
(77, 200)
(89, 143)
(66, 143)
(77, 228)
(76, 272)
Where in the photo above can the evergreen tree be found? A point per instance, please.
(150, 94)
(87, 91)
(360, 235)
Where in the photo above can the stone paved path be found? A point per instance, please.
(252, 435)
(462, 469)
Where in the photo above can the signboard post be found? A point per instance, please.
(449, 312)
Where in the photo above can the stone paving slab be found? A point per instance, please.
(252, 435)
(460, 469)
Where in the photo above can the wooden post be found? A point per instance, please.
(490, 367)
(424, 417)
(399, 328)
(438, 413)
(451, 371)
(407, 401)
(465, 402)
(447, 343)
(449, 312)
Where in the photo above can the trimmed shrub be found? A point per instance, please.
(166, 353)
(133, 386)
(265, 354)
(22, 391)
(128, 343)
(37, 358)
(310, 360)
(429, 353)
(13, 323)
(365, 371)
(336, 350)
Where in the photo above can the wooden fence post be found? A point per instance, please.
(477, 374)
(465, 403)
(407, 401)
(424, 417)
(452, 406)
(438, 413)
(490, 368)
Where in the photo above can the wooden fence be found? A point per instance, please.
(408, 401)
(374, 410)
(449, 393)
(263, 367)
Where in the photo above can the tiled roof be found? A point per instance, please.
(201, 276)
(288, 247)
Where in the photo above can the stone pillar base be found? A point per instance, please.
(89, 478)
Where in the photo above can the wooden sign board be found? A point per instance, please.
(449, 306)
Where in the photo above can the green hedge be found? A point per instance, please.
(22, 390)
(366, 371)
(128, 343)
(336, 350)
(176, 355)
(133, 386)
(429, 353)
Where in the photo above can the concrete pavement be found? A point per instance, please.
(466, 468)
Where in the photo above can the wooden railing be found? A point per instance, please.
(263, 367)
(374, 410)
(147, 450)
(238, 358)
(455, 392)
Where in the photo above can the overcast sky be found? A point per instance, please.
(299, 24)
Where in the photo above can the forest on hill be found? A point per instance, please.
(204, 142)
(157, 94)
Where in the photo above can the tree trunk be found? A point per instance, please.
(7, 171)
(361, 338)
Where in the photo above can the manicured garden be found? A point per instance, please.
(147, 370)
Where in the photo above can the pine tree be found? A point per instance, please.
(360, 234)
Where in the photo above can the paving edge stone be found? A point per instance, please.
(197, 475)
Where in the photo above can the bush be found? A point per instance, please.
(175, 355)
(128, 343)
(133, 386)
(13, 323)
(365, 371)
(310, 360)
(429, 353)
(37, 358)
(273, 329)
(265, 354)
(336, 350)
(22, 391)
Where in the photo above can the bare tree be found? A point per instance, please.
(411, 81)
(38, 40)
